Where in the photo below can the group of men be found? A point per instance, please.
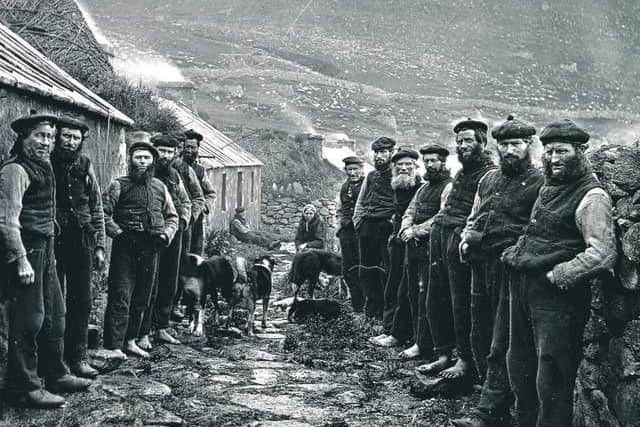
(486, 274)
(53, 225)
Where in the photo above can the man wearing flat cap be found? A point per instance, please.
(36, 308)
(499, 215)
(409, 320)
(568, 241)
(353, 168)
(405, 181)
(80, 242)
(372, 221)
(141, 219)
(449, 293)
(165, 286)
(190, 156)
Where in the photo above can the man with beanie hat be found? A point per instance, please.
(372, 221)
(353, 168)
(81, 241)
(568, 240)
(405, 182)
(31, 288)
(141, 219)
(498, 217)
(449, 293)
(165, 287)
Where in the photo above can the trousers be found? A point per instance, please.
(350, 266)
(372, 240)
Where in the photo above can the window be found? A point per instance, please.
(223, 196)
(240, 195)
(253, 186)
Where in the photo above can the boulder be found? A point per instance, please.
(617, 164)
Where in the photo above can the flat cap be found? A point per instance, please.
(240, 209)
(352, 160)
(192, 134)
(20, 124)
(70, 122)
(512, 128)
(564, 131)
(383, 143)
(179, 136)
(470, 124)
(403, 153)
(434, 149)
(139, 136)
(142, 145)
(164, 140)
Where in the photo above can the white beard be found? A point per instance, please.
(403, 181)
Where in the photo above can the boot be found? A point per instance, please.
(83, 369)
(68, 384)
(39, 398)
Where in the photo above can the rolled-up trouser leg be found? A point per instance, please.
(418, 297)
(145, 270)
(168, 270)
(74, 265)
(401, 328)
(394, 277)
(350, 266)
(438, 305)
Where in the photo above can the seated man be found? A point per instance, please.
(241, 230)
(310, 234)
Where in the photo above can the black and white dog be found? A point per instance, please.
(307, 266)
(253, 284)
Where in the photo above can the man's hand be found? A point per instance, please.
(98, 259)
(463, 251)
(301, 247)
(182, 224)
(407, 234)
(26, 275)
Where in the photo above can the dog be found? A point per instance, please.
(253, 284)
(301, 310)
(202, 278)
(307, 266)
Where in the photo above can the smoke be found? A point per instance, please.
(299, 119)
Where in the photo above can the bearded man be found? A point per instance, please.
(81, 241)
(141, 219)
(405, 181)
(499, 215)
(36, 309)
(410, 320)
(165, 287)
(569, 240)
(190, 157)
(372, 221)
(353, 168)
(449, 293)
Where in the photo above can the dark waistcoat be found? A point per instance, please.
(463, 191)
(72, 190)
(378, 200)
(348, 197)
(171, 179)
(428, 198)
(552, 236)
(139, 206)
(505, 208)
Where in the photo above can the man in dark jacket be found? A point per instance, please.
(372, 221)
(405, 182)
(141, 219)
(81, 240)
(241, 230)
(500, 212)
(569, 240)
(310, 233)
(449, 293)
(165, 287)
(410, 318)
(36, 308)
(353, 167)
(190, 156)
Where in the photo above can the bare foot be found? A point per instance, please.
(374, 340)
(388, 341)
(144, 343)
(117, 354)
(132, 348)
(163, 335)
(459, 370)
(443, 362)
(410, 353)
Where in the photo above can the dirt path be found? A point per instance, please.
(284, 376)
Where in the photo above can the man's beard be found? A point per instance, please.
(381, 165)
(433, 173)
(474, 157)
(574, 168)
(513, 165)
(138, 175)
(66, 156)
(402, 181)
(188, 157)
(163, 166)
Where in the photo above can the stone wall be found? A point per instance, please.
(281, 214)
